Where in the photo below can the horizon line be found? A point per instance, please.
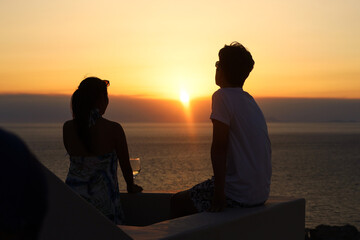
(149, 97)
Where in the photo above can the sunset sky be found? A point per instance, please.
(161, 49)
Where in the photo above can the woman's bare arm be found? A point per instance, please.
(122, 152)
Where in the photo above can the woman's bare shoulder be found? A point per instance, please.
(113, 126)
(110, 123)
(68, 124)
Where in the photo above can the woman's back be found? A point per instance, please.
(101, 136)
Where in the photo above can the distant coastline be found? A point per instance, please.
(28, 108)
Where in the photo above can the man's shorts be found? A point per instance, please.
(202, 195)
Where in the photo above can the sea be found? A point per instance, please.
(316, 161)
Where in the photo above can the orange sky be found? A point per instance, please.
(158, 48)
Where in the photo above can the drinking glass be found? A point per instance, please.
(135, 165)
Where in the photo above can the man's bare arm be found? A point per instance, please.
(218, 158)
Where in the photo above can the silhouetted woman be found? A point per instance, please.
(94, 145)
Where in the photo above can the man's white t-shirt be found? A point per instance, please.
(248, 163)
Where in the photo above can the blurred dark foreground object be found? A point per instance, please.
(325, 232)
(23, 195)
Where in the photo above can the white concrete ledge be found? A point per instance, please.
(70, 217)
(280, 218)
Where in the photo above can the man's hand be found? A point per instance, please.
(218, 203)
(134, 188)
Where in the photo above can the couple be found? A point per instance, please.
(240, 150)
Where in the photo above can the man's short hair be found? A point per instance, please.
(236, 62)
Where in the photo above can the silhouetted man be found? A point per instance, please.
(240, 150)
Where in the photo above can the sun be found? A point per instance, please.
(184, 97)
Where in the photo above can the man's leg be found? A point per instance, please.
(182, 205)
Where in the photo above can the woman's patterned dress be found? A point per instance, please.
(95, 179)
